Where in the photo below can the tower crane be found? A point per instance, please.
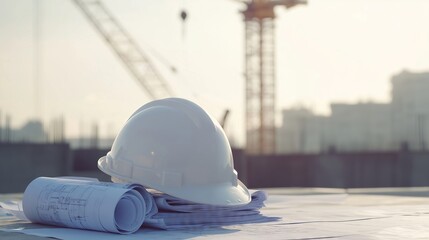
(134, 58)
(259, 64)
(260, 73)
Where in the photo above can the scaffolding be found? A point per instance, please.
(260, 74)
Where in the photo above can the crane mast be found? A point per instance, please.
(260, 73)
(136, 61)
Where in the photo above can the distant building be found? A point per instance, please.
(87, 142)
(359, 127)
(410, 104)
(301, 131)
(402, 123)
(32, 131)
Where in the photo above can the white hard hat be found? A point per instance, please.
(172, 145)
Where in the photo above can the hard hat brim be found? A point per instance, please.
(223, 194)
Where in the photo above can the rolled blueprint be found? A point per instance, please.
(85, 204)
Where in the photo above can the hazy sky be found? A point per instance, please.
(328, 50)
